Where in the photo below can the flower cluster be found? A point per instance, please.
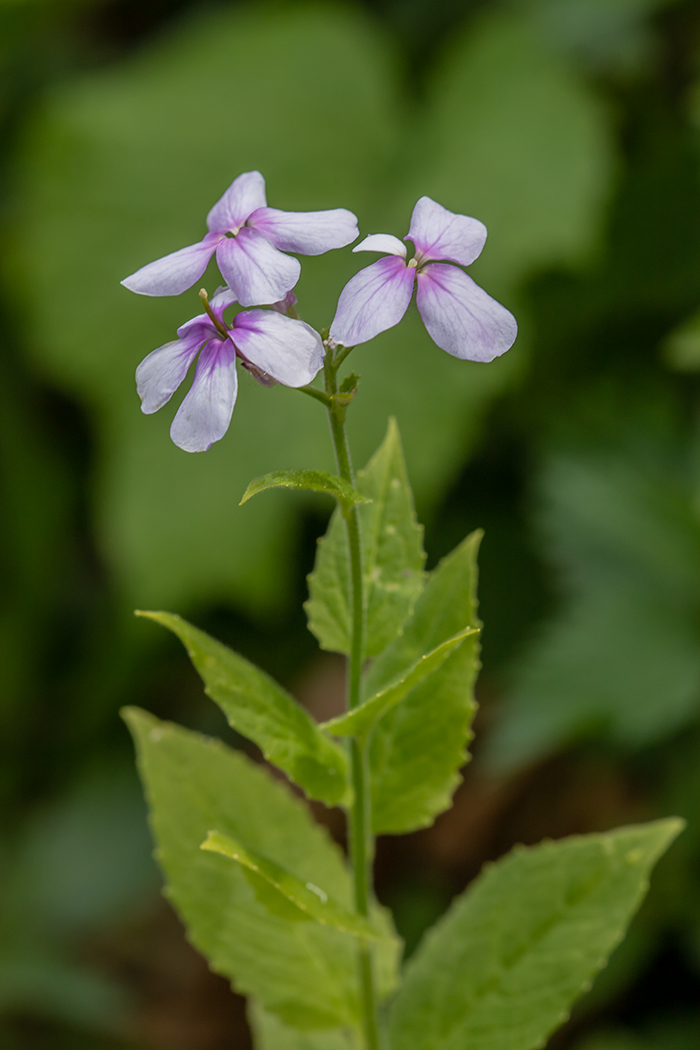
(250, 241)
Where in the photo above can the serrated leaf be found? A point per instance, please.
(311, 480)
(360, 721)
(393, 557)
(417, 748)
(501, 970)
(306, 898)
(304, 972)
(269, 1033)
(258, 708)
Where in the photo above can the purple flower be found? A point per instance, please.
(249, 240)
(460, 317)
(273, 347)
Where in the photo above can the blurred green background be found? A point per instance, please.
(572, 129)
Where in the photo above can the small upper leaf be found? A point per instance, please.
(501, 970)
(393, 557)
(360, 721)
(257, 707)
(309, 900)
(315, 480)
(418, 747)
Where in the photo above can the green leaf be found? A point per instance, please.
(314, 480)
(501, 970)
(362, 719)
(418, 747)
(270, 1034)
(258, 708)
(621, 658)
(393, 557)
(307, 899)
(304, 972)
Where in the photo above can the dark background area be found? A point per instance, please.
(572, 128)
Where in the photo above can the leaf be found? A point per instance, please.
(501, 970)
(304, 972)
(360, 721)
(418, 747)
(621, 658)
(314, 480)
(307, 899)
(270, 1034)
(393, 557)
(258, 708)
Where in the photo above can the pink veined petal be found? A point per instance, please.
(373, 300)
(288, 350)
(204, 415)
(440, 234)
(306, 232)
(200, 327)
(256, 272)
(174, 273)
(244, 195)
(382, 242)
(161, 372)
(460, 317)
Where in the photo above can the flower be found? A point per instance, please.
(460, 317)
(273, 347)
(249, 240)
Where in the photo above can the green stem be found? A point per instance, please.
(361, 845)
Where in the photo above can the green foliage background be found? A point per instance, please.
(570, 127)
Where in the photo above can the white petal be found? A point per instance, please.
(306, 232)
(160, 374)
(205, 414)
(382, 242)
(174, 273)
(256, 272)
(440, 234)
(288, 350)
(460, 317)
(244, 195)
(222, 298)
(373, 300)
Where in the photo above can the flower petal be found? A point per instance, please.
(204, 415)
(440, 234)
(221, 299)
(381, 242)
(160, 374)
(256, 272)
(244, 195)
(174, 273)
(460, 317)
(373, 300)
(306, 232)
(288, 350)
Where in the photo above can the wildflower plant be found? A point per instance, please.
(265, 894)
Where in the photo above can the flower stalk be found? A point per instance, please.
(360, 836)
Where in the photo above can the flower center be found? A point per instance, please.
(233, 231)
(412, 262)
